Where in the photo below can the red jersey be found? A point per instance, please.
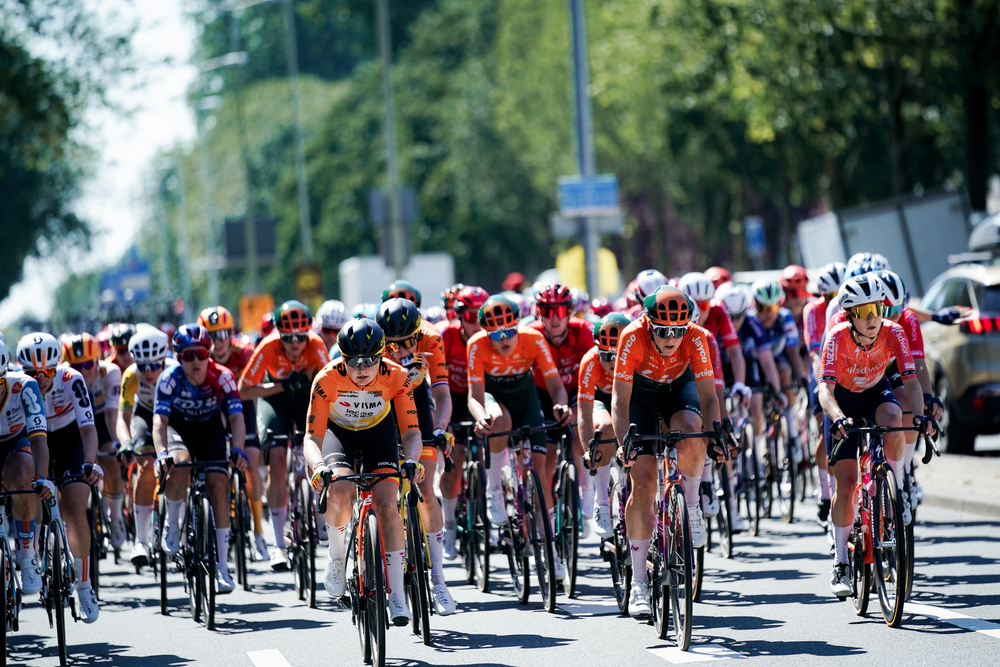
(814, 323)
(713, 348)
(637, 355)
(240, 358)
(914, 336)
(593, 378)
(720, 325)
(568, 355)
(857, 368)
(456, 357)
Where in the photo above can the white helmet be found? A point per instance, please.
(697, 286)
(434, 314)
(734, 297)
(331, 314)
(859, 258)
(148, 346)
(858, 291)
(830, 278)
(39, 351)
(4, 359)
(895, 290)
(647, 281)
(880, 262)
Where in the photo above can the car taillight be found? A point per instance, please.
(978, 324)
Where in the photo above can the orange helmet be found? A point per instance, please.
(292, 317)
(216, 319)
(402, 289)
(794, 276)
(607, 331)
(81, 348)
(499, 313)
(668, 306)
(718, 275)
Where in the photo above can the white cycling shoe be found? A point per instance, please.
(559, 568)
(117, 530)
(699, 531)
(587, 499)
(399, 613)
(223, 580)
(738, 523)
(496, 510)
(89, 609)
(840, 582)
(171, 542)
(141, 555)
(709, 500)
(444, 604)
(260, 545)
(282, 563)
(638, 601)
(335, 577)
(602, 519)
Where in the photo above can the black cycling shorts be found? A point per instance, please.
(103, 434)
(857, 405)
(517, 394)
(250, 421)
(141, 430)
(545, 400)
(65, 453)
(279, 417)
(377, 446)
(460, 407)
(753, 380)
(652, 401)
(204, 440)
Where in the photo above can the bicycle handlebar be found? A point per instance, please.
(364, 481)
(524, 432)
(595, 455)
(440, 444)
(672, 438)
(930, 446)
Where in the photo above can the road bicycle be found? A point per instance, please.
(746, 469)
(569, 515)
(241, 546)
(615, 549)
(12, 587)
(779, 478)
(471, 521)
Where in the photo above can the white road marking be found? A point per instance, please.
(589, 607)
(269, 658)
(697, 653)
(954, 618)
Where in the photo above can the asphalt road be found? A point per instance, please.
(770, 604)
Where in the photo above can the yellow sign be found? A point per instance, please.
(573, 271)
(253, 307)
(309, 285)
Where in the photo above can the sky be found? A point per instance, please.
(112, 200)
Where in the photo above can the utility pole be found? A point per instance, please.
(584, 130)
(183, 244)
(397, 235)
(305, 222)
(211, 231)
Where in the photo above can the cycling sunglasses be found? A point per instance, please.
(608, 356)
(503, 334)
(795, 292)
(294, 338)
(768, 308)
(553, 311)
(85, 366)
(893, 311)
(197, 354)
(862, 312)
(48, 373)
(669, 332)
(150, 367)
(704, 306)
(470, 316)
(406, 342)
(361, 362)
(224, 334)
(330, 332)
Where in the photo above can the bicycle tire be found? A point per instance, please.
(784, 474)
(890, 561)
(766, 479)
(751, 483)
(9, 603)
(723, 519)
(298, 539)
(375, 592)
(658, 575)
(416, 557)
(679, 556)
(237, 535)
(910, 545)
(477, 529)
(160, 558)
(568, 518)
(698, 573)
(192, 564)
(312, 537)
(861, 573)
(56, 548)
(517, 542)
(540, 534)
(209, 561)
(358, 609)
(95, 551)
(620, 557)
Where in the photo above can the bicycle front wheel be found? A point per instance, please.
(477, 530)
(95, 547)
(517, 540)
(374, 590)
(750, 482)
(416, 574)
(723, 519)
(540, 534)
(784, 476)
(59, 583)
(9, 602)
(208, 561)
(237, 525)
(889, 546)
(312, 538)
(617, 552)
(680, 555)
(861, 573)
(568, 522)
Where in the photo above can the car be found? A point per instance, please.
(964, 360)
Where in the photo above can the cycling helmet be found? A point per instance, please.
(470, 298)
(191, 335)
(292, 317)
(581, 300)
(859, 269)
(361, 337)
(365, 310)
(267, 323)
(498, 313)
(630, 295)
(697, 286)
(668, 306)
(4, 359)
(121, 333)
(81, 348)
(149, 346)
(435, 314)
(861, 290)
(399, 318)
(519, 300)
(402, 289)
(895, 290)
(103, 339)
(646, 283)
(38, 351)
(606, 331)
(830, 278)
(216, 319)
(859, 258)
(554, 295)
(767, 292)
(880, 263)
(448, 296)
(793, 276)
(718, 275)
(601, 307)
(734, 298)
(331, 314)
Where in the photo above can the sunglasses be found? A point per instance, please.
(199, 354)
(219, 335)
(85, 366)
(48, 373)
(503, 334)
(893, 311)
(607, 357)
(862, 312)
(470, 316)
(704, 306)
(406, 342)
(737, 316)
(330, 332)
(768, 308)
(150, 367)
(553, 311)
(669, 332)
(829, 297)
(294, 338)
(795, 292)
(361, 362)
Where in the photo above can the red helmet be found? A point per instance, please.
(630, 296)
(794, 276)
(601, 307)
(498, 313)
(554, 295)
(448, 296)
(668, 306)
(470, 298)
(718, 275)
(267, 323)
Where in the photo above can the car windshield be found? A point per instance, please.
(988, 298)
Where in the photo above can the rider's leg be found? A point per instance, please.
(432, 518)
(393, 538)
(499, 453)
(73, 500)
(178, 481)
(890, 414)
(640, 512)
(846, 473)
(690, 454)
(606, 453)
(451, 484)
(757, 420)
(217, 485)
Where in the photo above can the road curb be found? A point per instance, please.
(961, 504)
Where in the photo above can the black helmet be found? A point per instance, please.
(121, 334)
(399, 318)
(361, 338)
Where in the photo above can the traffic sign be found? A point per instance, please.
(309, 285)
(588, 196)
(753, 231)
(605, 224)
(252, 310)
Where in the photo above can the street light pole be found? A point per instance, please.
(305, 222)
(586, 162)
(397, 237)
(211, 235)
(183, 244)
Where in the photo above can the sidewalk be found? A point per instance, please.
(964, 483)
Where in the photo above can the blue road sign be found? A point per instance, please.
(753, 230)
(588, 196)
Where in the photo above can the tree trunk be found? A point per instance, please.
(976, 98)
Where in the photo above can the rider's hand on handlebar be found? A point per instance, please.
(933, 406)
(240, 460)
(741, 392)
(484, 426)
(449, 440)
(317, 478)
(92, 473)
(782, 400)
(413, 470)
(839, 427)
(927, 423)
(562, 413)
(162, 460)
(47, 488)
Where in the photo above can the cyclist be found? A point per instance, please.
(148, 347)
(402, 289)
(793, 282)
(280, 372)
(104, 382)
(853, 386)
(645, 283)
(448, 303)
(24, 454)
(120, 336)
(350, 410)
(662, 371)
(330, 318)
(188, 424)
(597, 374)
(455, 337)
(234, 354)
(718, 275)
(416, 346)
(72, 442)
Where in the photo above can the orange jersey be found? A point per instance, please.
(269, 361)
(637, 355)
(857, 368)
(593, 377)
(427, 358)
(336, 398)
(531, 348)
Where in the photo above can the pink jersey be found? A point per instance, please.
(814, 323)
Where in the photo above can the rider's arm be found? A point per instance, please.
(709, 401)
(406, 417)
(31, 403)
(160, 423)
(547, 366)
(248, 392)
(112, 389)
(798, 368)
(252, 383)
(476, 349)
(737, 363)
(766, 359)
(40, 452)
(238, 428)
(731, 341)
(316, 419)
(586, 381)
(829, 403)
(621, 395)
(163, 404)
(88, 434)
(442, 405)
(123, 429)
(126, 404)
(556, 391)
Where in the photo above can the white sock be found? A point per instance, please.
(105, 504)
(174, 512)
(435, 542)
(824, 484)
(552, 519)
(793, 423)
(143, 523)
(897, 468)
(82, 583)
(116, 502)
(908, 452)
(338, 545)
(840, 537)
(278, 515)
(222, 546)
(760, 446)
(708, 471)
(497, 461)
(448, 506)
(639, 550)
(603, 479)
(692, 486)
(394, 568)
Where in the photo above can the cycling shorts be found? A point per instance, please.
(19, 443)
(377, 446)
(652, 401)
(782, 362)
(752, 381)
(545, 400)
(460, 407)
(425, 420)
(65, 453)
(278, 417)
(602, 401)
(103, 434)
(892, 374)
(250, 421)
(141, 431)
(814, 395)
(204, 440)
(857, 405)
(517, 394)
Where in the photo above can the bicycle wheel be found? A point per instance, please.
(237, 535)
(751, 483)
(617, 553)
(889, 546)
(6, 576)
(540, 535)
(568, 523)
(697, 573)
(723, 519)
(477, 530)
(160, 558)
(784, 476)
(517, 542)
(359, 612)
(909, 558)
(416, 574)
(95, 549)
(658, 576)
(679, 560)
(374, 590)
(209, 561)
(312, 537)
(192, 560)
(58, 584)
(861, 573)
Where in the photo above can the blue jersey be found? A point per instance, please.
(752, 337)
(783, 333)
(23, 410)
(177, 398)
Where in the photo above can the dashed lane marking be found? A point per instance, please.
(696, 653)
(269, 658)
(953, 618)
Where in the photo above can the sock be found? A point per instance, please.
(692, 489)
(174, 512)
(116, 503)
(25, 535)
(552, 519)
(448, 506)
(338, 546)
(603, 480)
(143, 523)
(83, 572)
(840, 536)
(639, 550)
(278, 515)
(793, 423)
(824, 484)
(908, 452)
(897, 468)
(257, 510)
(394, 569)
(222, 546)
(435, 542)
(760, 446)
(708, 471)
(104, 504)
(497, 461)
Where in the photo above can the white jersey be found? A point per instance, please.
(22, 408)
(106, 387)
(68, 401)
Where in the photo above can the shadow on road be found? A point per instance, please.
(28, 647)
(447, 641)
(734, 599)
(755, 649)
